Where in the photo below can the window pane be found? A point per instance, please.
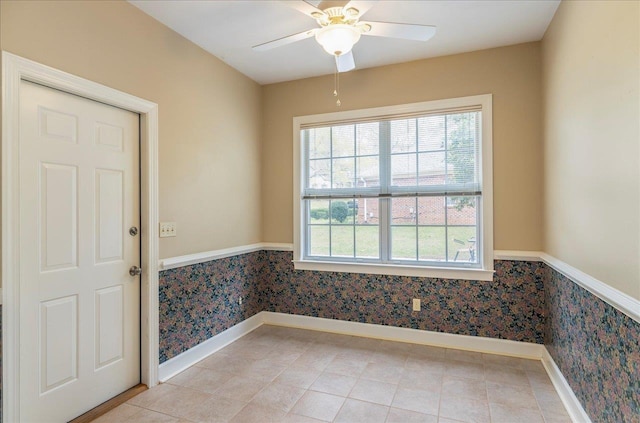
(319, 174)
(367, 211)
(318, 212)
(343, 142)
(461, 211)
(432, 243)
(344, 171)
(432, 168)
(341, 214)
(403, 170)
(462, 167)
(431, 211)
(462, 130)
(319, 142)
(368, 170)
(403, 243)
(368, 241)
(462, 239)
(462, 244)
(462, 146)
(431, 133)
(403, 211)
(403, 135)
(342, 241)
(319, 240)
(367, 139)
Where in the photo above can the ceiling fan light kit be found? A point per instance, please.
(337, 39)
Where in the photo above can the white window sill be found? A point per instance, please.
(395, 270)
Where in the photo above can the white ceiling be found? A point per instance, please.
(228, 30)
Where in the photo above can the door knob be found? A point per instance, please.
(135, 271)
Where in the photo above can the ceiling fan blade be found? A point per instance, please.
(285, 40)
(399, 30)
(305, 7)
(325, 4)
(362, 6)
(345, 62)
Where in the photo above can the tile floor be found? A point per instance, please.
(277, 374)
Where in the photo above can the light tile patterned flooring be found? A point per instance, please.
(277, 374)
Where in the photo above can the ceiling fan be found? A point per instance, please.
(341, 28)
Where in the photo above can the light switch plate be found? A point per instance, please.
(167, 229)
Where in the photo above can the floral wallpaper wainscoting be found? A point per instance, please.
(202, 300)
(597, 349)
(509, 307)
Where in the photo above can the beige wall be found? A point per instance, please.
(209, 113)
(591, 109)
(220, 132)
(511, 74)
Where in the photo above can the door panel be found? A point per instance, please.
(58, 211)
(57, 126)
(110, 229)
(109, 137)
(79, 307)
(109, 325)
(59, 342)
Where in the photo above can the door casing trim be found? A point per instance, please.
(14, 70)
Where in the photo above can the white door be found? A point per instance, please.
(79, 306)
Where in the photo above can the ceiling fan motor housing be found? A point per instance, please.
(338, 15)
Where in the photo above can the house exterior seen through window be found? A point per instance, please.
(402, 190)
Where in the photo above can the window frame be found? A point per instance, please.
(484, 272)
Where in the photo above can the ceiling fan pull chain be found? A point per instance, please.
(336, 85)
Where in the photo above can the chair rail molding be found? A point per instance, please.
(189, 259)
(617, 299)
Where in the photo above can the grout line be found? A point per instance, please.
(440, 398)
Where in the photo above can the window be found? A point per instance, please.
(397, 190)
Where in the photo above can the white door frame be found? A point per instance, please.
(14, 70)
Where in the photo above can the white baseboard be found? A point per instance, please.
(181, 362)
(446, 340)
(414, 336)
(569, 399)
(177, 364)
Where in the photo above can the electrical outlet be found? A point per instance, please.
(416, 304)
(240, 300)
(167, 229)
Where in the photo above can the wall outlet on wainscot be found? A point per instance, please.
(416, 304)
